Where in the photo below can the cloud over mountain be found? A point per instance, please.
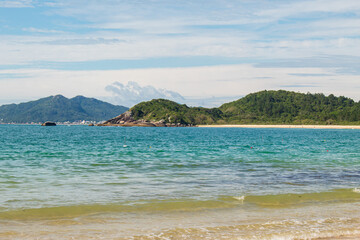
(132, 93)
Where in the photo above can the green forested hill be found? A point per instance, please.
(59, 109)
(291, 108)
(265, 107)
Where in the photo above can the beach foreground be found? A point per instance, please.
(330, 221)
(283, 126)
(79, 182)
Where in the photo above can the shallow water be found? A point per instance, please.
(175, 183)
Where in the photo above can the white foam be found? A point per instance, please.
(240, 198)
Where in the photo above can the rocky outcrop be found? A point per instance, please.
(48, 124)
(127, 120)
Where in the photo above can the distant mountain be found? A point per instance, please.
(265, 107)
(60, 109)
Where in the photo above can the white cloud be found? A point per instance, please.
(38, 30)
(132, 93)
(296, 8)
(127, 10)
(16, 3)
(18, 50)
(163, 29)
(74, 48)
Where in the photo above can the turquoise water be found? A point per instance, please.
(85, 165)
(170, 169)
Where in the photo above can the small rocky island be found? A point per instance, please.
(127, 120)
(163, 113)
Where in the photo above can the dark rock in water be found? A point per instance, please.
(91, 125)
(48, 124)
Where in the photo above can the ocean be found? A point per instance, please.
(81, 182)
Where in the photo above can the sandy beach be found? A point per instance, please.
(354, 237)
(284, 126)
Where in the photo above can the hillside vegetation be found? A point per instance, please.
(59, 109)
(172, 112)
(265, 107)
(291, 107)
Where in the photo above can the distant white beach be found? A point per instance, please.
(283, 126)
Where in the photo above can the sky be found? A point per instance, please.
(198, 52)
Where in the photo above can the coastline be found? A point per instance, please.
(282, 126)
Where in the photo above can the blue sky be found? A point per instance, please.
(211, 49)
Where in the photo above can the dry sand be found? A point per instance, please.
(284, 126)
(350, 237)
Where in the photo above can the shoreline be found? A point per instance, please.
(282, 126)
